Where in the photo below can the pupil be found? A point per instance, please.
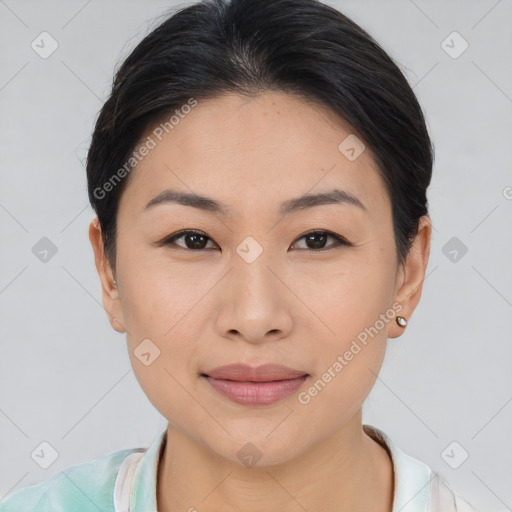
(318, 235)
(193, 237)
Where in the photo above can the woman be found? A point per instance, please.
(259, 175)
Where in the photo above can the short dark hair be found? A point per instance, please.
(303, 47)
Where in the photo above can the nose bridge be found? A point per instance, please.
(252, 277)
(255, 298)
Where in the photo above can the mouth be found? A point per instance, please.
(261, 385)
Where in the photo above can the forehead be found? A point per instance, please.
(254, 151)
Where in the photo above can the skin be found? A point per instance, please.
(204, 308)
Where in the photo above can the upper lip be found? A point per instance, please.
(263, 373)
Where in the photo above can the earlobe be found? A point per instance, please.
(116, 325)
(110, 294)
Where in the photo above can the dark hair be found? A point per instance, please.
(303, 47)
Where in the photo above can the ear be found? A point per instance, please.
(411, 274)
(109, 291)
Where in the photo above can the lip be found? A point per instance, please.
(262, 373)
(261, 385)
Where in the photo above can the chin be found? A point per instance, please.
(253, 447)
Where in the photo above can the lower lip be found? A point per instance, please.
(256, 393)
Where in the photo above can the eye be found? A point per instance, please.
(316, 240)
(193, 240)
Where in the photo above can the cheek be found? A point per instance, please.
(349, 294)
(160, 334)
(167, 387)
(354, 303)
(157, 291)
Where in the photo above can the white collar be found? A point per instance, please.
(412, 477)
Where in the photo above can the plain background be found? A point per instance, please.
(65, 376)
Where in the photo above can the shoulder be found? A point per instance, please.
(82, 487)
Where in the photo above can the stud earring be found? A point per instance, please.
(115, 283)
(401, 321)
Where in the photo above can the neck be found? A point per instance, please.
(347, 472)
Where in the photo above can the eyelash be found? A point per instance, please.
(340, 241)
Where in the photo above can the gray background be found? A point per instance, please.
(65, 376)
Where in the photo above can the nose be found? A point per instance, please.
(256, 303)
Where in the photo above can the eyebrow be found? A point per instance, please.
(334, 196)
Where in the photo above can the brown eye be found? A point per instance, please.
(316, 240)
(193, 240)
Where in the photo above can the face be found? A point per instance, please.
(257, 277)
